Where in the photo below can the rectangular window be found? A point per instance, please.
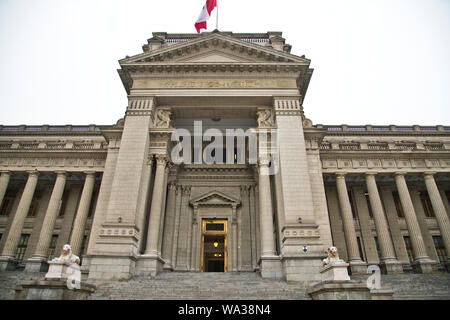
(52, 247)
(409, 249)
(426, 203)
(398, 205)
(368, 205)
(34, 204)
(440, 249)
(22, 246)
(8, 199)
(83, 245)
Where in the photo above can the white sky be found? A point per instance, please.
(376, 62)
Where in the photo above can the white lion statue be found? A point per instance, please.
(67, 255)
(333, 256)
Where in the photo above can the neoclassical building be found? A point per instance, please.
(379, 193)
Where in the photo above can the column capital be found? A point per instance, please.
(429, 174)
(172, 186)
(33, 172)
(264, 160)
(89, 173)
(400, 173)
(161, 159)
(61, 173)
(5, 172)
(370, 174)
(340, 174)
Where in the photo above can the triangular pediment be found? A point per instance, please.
(214, 56)
(214, 198)
(214, 48)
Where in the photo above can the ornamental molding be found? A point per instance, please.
(386, 164)
(215, 199)
(229, 46)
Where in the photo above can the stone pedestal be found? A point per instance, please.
(51, 290)
(149, 265)
(340, 290)
(358, 267)
(381, 294)
(270, 267)
(336, 271)
(423, 266)
(60, 270)
(391, 267)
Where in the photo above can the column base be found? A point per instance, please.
(423, 266)
(149, 265)
(168, 267)
(111, 267)
(36, 264)
(391, 267)
(358, 267)
(7, 263)
(270, 267)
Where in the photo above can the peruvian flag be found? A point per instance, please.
(205, 14)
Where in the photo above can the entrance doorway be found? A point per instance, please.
(214, 246)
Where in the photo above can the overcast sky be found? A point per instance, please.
(375, 62)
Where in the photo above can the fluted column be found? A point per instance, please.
(388, 258)
(419, 250)
(265, 210)
(156, 207)
(4, 181)
(439, 210)
(169, 226)
(349, 227)
(50, 216)
(235, 240)
(76, 240)
(21, 213)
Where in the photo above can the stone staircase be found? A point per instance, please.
(234, 286)
(201, 286)
(411, 286)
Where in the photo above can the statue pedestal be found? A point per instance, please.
(335, 271)
(60, 270)
(51, 290)
(337, 285)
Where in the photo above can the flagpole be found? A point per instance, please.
(217, 15)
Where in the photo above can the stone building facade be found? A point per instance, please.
(114, 192)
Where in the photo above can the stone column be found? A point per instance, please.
(36, 263)
(176, 227)
(79, 225)
(169, 227)
(253, 227)
(439, 211)
(422, 262)
(388, 260)
(357, 266)
(269, 261)
(8, 253)
(155, 262)
(235, 240)
(4, 181)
